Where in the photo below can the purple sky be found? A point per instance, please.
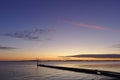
(31, 28)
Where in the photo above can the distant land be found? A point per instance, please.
(58, 60)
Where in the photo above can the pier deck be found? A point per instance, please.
(97, 72)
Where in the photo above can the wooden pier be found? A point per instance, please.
(97, 72)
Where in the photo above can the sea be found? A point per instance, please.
(29, 70)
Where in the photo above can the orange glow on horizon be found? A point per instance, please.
(52, 58)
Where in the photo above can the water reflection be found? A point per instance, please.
(29, 71)
(109, 66)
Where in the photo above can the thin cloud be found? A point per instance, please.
(96, 56)
(35, 34)
(91, 26)
(116, 46)
(6, 48)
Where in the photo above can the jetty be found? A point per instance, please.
(89, 71)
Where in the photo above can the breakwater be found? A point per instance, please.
(89, 71)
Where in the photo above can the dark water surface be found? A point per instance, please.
(29, 71)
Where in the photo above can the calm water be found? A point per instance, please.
(29, 71)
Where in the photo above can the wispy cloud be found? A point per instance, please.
(6, 48)
(116, 46)
(97, 56)
(34, 34)
(80, 24)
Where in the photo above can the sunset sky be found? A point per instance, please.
(49, 29)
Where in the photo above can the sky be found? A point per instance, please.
(49, 29)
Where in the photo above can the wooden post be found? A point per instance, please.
(37, 60)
